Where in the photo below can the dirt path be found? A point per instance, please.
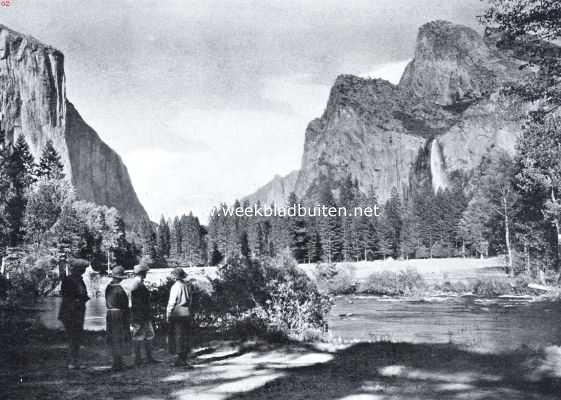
(375, 371)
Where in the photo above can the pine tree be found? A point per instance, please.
(296, 227)
(149, 242)
(163, 238)
(28, 162)
(19, 169)
(50, 164)
(329, 226)
(347, 199)
(394, 218)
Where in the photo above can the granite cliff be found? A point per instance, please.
(447, 108)
(33, 103)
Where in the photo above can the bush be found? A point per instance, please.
(203, 307)
(387, 283)
(29, 278)
(493, 287)
(271, 298)
(334, 279)
(273, 290)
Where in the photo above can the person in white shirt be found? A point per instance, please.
(178, 316)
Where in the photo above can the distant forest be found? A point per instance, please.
(492, 211)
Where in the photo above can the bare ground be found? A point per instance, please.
(256, 371)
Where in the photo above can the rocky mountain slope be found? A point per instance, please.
(446, 108)
(33, 103)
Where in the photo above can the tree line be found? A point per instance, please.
(40, 215)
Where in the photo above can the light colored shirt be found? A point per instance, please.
(178, 296)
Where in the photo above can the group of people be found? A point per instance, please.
(126, 320)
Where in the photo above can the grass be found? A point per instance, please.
(480, 277)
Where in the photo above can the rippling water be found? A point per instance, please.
(489, 325)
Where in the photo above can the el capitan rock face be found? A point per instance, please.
(33, 103)
(446, 108)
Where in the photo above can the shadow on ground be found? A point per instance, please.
(375, 371)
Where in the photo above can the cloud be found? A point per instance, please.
(206, 101)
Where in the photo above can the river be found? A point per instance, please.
(484, 325)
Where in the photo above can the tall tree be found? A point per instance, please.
(539, 170)
(523, 24)
(50, 165)
(393, 213)
(163, 237)
(329, 225)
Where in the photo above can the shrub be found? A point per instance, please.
(203, 307)
(336, 279)
(493, 287)
(269, 298)
(273, 290)
(387, 283)
(29, 277)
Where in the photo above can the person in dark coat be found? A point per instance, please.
(142, 327)
(73, 308)
(118, 318)
(178, 315)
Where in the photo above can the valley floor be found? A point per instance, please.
(364, 371)
(433, 271)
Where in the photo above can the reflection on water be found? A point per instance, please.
(95, 313)
(488, 325)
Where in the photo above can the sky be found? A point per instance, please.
(207, 100)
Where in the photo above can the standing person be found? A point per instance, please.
(142, 327)
(118, 317)
(73, 308)
(178, 315)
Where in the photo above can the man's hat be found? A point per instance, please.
(140, 268)
(118, 272)
(178, 273)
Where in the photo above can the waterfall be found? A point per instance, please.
(437, 170)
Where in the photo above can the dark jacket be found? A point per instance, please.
(118, 318)
(116, 297)
(74, 298)
(140, 299)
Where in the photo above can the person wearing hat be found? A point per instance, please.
(178, 315)
(118, 317)
(142, 327)
(73, 308)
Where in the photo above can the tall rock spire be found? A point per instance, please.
(33, 103)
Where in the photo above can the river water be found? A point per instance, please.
(486, 325)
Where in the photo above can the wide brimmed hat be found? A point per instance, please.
(78, 264)
(118, 272)
(178, 273)
(140, 268)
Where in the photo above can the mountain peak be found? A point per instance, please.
(453, 64)
(34, 104)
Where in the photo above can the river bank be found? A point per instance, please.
(258, 371)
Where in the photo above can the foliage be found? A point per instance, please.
(271, 297)
(387, 283)
(334, 279)
(28, 277)
(529, 26)
(50, 164)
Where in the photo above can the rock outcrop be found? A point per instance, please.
(447, 108)
(276, 191)
(33, 103)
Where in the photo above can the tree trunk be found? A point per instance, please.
(507, 238)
